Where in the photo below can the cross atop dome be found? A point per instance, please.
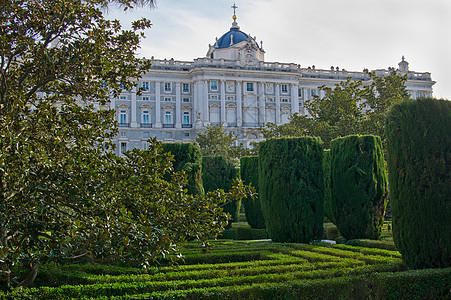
(234, 24)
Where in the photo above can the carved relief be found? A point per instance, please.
(230, 86)
(269, 88)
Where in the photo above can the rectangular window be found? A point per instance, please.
(313, 92)
(300, 93)
(213, 85)
(231, 98)
(123, 98)
(146, 98)
(167, 99)
(185, 100)
(250, 86)
(285, 100)
(123, 134)
(167, 87)
(269, 99)
(145, 117)
(213, 97)
(123, 117)
(145, 85)
(186, 118)
(185, 87)
(123, 147)
(284, 88)
(187, 134)
(168, 117)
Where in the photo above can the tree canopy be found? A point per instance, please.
(350, 107)
(64, 195)
(215, 141)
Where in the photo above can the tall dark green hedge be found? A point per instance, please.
(326, 170)
(291, 188)
(358, 186)
(252, 207)
(219, 173)
(419, 164)
(187, 158)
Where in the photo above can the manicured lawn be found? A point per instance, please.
(248, 270)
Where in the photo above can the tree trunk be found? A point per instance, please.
(30, 276)
(5, 280)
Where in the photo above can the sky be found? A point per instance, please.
(350, 34)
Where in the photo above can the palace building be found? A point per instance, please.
(233, 85)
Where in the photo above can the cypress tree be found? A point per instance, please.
(291, 188)
(187, 158)
(419, 164)
(358, 185)
(219, 173)
(252, 207)
(327, 202)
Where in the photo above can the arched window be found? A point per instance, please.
(214, 113)
(231, 114)
(285, 114)
(270, 114)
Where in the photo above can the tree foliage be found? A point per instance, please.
(187, 158)
(419, 165)
(64, 195)
(219, 173)
(252, 207)
(215, 141)
(350, 107)
(291, 191)
(358, 186)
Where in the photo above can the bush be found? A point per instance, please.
(187, 158)
(291, 188)
(252, 207)
(419, 164)
(219, 173)
(327, 202)
(358, 185)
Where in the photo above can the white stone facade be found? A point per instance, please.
(232, 85)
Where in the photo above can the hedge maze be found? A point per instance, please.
(250, 270)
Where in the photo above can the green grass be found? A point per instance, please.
(244, 270)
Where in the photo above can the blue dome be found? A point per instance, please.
(227, 40)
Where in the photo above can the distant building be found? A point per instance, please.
(232, 85)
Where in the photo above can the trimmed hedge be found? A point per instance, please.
(328, 212)
(416, 284)
(252, 207)
(419, 163)
(358, 186)
(187, 158)
(291, 187)
(219, 173)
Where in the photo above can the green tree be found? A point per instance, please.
(64, 195)
(358, 186)
(291, 188)
(351, 107)
(419, 165)
(215, 141)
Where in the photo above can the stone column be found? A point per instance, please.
(195, 102)
(305, 99)
(178, 106)
(277, 87)
(133, 122)
(223, 103)
(261, 105)
(294, 98)
(157, 104)
(239, 105)
(205, 115)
